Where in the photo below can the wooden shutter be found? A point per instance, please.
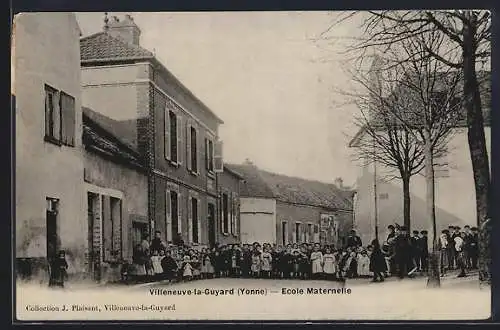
(199, 151)
(198, 219)
(207, 153)
(220, 212)
(179, 213)
(166, 133)
(188, 147)
(67, 105)
(190, 219)
(168, 216)
(179, 139)
(57, 116)
(236, 215)
(294, 235)
(218, 162)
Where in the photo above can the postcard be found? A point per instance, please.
(304, 166)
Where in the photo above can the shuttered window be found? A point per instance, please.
(218, 161)
(67, 106)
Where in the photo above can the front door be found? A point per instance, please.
(211, 224)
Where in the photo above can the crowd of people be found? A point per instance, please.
(401, 254)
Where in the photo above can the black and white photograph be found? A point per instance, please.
(252, 165)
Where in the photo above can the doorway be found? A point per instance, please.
(51, 223)
(211, 224)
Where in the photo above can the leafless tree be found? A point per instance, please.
(409, 107)
(466, 45)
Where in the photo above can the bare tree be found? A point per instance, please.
(409, 113)
(466, 44)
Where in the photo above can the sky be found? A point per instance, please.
(267, 77)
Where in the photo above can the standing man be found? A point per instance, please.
(353, 240)
(474, 247)
(424, 250)
(467, 237)
(415, 250)
(451, 249)
(157, 243)
(402, 256)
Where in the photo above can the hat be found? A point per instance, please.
(451, 226)
(390, 227)
(415, 231)
(423, 232)
(466, 226)
(474, 228)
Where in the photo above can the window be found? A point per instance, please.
(225, 213)
(310, 233)
(297, 232)
(235, 217)
(59, 117)
(218, 163)
(195, 221)
(192, 149)
(172, 215)
(173, 136)
(284, 232)
(209, 155)
(52, 224)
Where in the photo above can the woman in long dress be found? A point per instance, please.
(316, 262)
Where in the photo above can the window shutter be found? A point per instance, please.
(67, 105)
(168, 216)
(236, 216)
(179, 139)
(57, 116)
(47, 112)
(198, 219)
(207, 155)
(199, 151)
(188, 147)
(221, 213)
(190, 219)
(316, 234)
(179, 213)
(294, 235)
(218, 162)
(167, 133)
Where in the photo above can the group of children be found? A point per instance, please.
(304, 261)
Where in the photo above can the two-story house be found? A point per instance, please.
(50, 213)
(176, 133)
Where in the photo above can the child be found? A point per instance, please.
(169, 266)
(275, 254)
(351, 266)
(156, 262)
(235, 261)
(187, 269)
(329, 266)
(124, 271)
(296, 264)
(378, 264)
(316, 262)
(363, 264)
(266, 263)
(255, 263)
(207, 267)
(304, 265)
(58, 267)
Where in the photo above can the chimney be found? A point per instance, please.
(339, 183)
(125, 29)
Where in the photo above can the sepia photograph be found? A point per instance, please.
(244, 166)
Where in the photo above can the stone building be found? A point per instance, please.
(175, 133)
(116, 185)
(281, 209)
(50, 212)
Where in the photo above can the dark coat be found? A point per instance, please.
(377, 262)
(354, 241)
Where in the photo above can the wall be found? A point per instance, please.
(452, 207)
(258, 220)
(308, 214)
(47, 51)
(131, 183)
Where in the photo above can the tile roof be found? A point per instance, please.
(101, 46)
(260, 183)
(98, 138)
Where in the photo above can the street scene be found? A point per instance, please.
(280, 160)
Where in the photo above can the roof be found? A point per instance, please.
(98, 139)
(264, 184)
(101, 48)
(484, 79)
(233, 172)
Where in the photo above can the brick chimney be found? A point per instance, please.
(125, 29)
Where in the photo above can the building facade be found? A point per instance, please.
(279, 209)
(116, 188)
(50, 199)
(176, 134)
(227, 229)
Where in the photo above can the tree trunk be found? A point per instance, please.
(477, 146)
(406, 203)
(433, 279)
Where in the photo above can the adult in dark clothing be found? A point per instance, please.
(178, 240)
(353, 240)
(246, 262)
(391, 234)
(389, 247)
(402, 249)
(451, 248)
(169, 266)
(157, 243)
(424, 250)
(474, 247)
(467, 246)
(378, 265)
(415, 249)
